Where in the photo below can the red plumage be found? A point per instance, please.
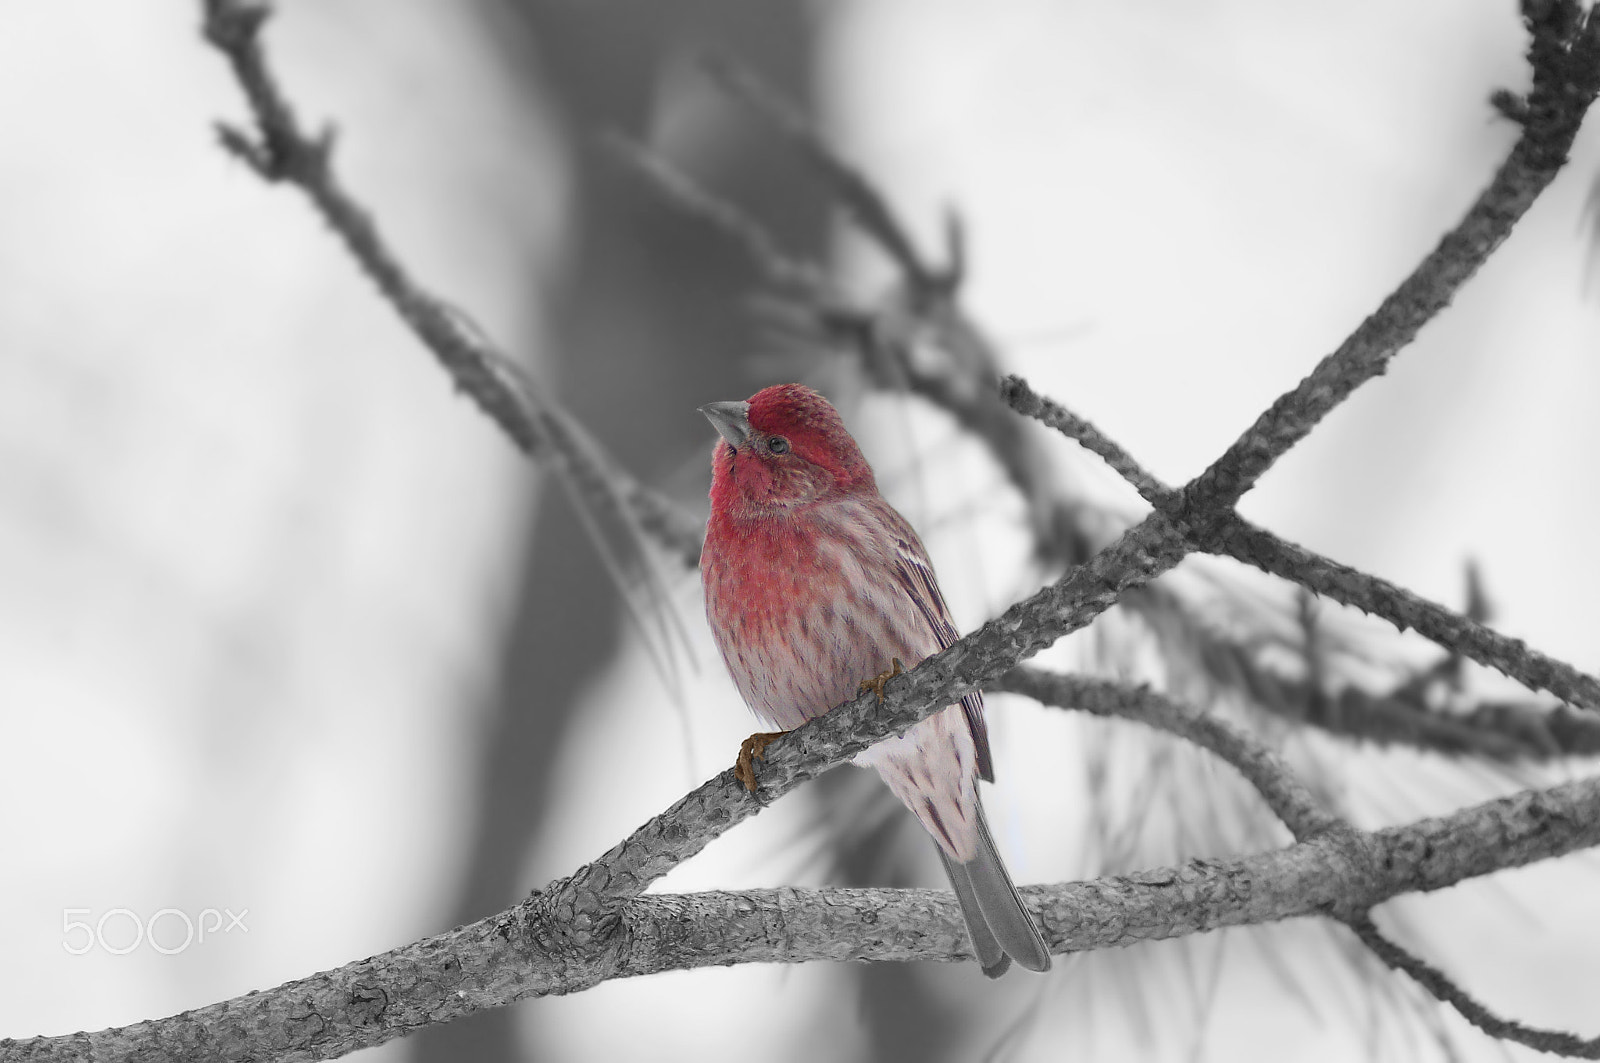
(813, 584)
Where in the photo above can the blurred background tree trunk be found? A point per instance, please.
(643, 330)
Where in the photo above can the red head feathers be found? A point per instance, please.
(786, 446)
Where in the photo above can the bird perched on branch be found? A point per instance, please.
(816, 589)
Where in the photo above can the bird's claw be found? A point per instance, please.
(875, 684)
(750, 751)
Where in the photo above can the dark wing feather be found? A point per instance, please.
(916, 576)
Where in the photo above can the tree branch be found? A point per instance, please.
(1565, 57)
(521, 953)
(1243, 541)
(975, 661)
(281, 151)
(1439, 984)
(858, 196)
(1261, 767)
(1235, 537)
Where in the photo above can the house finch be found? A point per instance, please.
(813, 584)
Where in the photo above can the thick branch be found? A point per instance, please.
(973, 662)
(521, 953)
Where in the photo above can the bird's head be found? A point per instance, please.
(786, 446)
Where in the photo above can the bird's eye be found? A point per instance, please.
(778, 445)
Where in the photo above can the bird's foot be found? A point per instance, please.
(750, 751)
(875, 684)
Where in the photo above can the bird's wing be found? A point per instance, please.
(916, 576)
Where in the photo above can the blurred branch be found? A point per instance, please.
(789, 274)
(867, 207)
(522, 952)
(924, 311)
(281, 151)
(1245, 542)
(1261, 767)
(1494, 730)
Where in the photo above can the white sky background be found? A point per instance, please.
(253, 543)
(254, 546)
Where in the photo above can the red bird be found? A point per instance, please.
(813, 584)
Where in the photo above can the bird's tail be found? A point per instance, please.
(1000, 928)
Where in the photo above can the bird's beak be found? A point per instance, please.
(731, 420)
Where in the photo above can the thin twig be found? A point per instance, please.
(1436, 982)
(1017, 394)
(1287, 796)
